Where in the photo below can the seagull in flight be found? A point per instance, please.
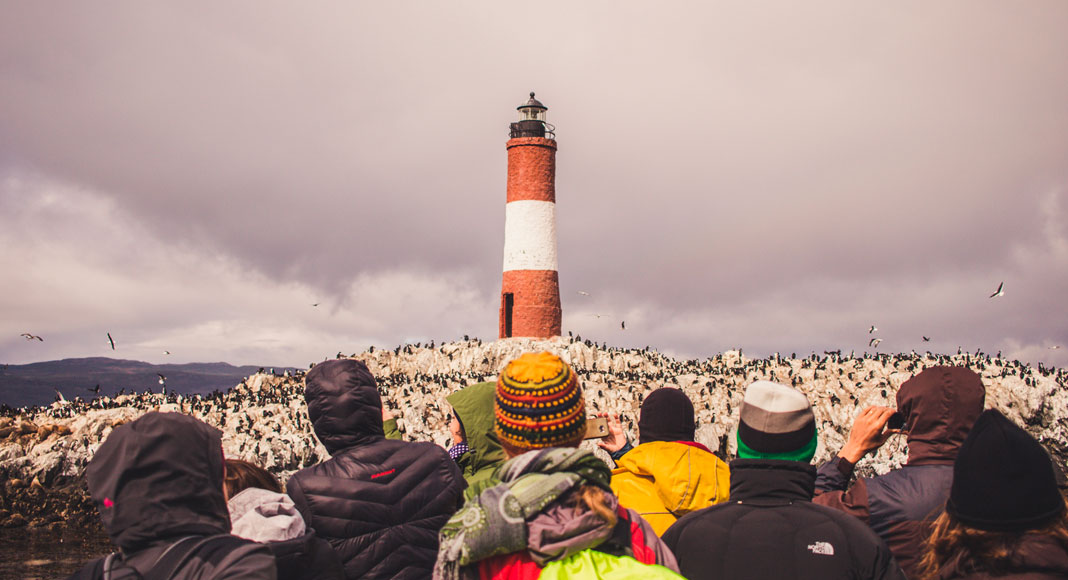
(314, 305)
(623, 325)
(162, 379)
(1000, 291)
(598, 315)
(583, 293)
(926, 338)
(166, 352)
(1055, 347)
(29, 336)
(874, 343)
(872, 329)
(111, 341)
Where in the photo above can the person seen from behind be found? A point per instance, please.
(1005, 517)
(379, 502)
(668, 474)
(937, 407)
(553, 514)
(769, 528)
(260, 512)
(158, 484)
(475, 449)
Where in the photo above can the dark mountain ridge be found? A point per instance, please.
(37, 383)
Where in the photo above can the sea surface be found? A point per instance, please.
(31, 554)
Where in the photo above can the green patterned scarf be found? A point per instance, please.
(495, 522)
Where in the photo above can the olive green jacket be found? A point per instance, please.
(474, 406)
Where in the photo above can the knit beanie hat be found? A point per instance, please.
(539, 404)
(776, 423)
(1003, 479)
(667, 415)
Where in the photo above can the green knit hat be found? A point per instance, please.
(776, 423)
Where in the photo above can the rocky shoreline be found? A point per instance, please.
(43, 452)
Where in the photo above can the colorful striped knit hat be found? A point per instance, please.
(539, 404)
(776, 423)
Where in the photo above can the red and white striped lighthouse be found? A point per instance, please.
(530, 287)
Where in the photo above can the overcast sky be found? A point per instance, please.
(191, 177)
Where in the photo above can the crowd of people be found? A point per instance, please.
(514, 494)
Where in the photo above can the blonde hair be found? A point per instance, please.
(978, 550)
(593, 499)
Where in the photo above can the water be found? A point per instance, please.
(30, 554)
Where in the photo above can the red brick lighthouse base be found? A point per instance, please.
(530, 286)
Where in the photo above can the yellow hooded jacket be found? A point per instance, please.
(664, 481)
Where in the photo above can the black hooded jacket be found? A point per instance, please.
(159, 479)
(379, 502)
(940, 405)
(770, 529)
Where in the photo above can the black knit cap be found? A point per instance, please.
(667, 415)
(1003, 479)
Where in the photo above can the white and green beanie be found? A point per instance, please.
(776, 423)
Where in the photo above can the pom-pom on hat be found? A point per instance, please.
(1003, 479)
(776, 423)
(539, 404)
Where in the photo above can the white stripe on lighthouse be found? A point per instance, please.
(529, 235)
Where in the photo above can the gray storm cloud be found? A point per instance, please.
(775, 178)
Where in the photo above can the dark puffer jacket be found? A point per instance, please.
(940, 405)
(379, 502)
(158, 480)
(770, 529)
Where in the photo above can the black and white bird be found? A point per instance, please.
(874, 343)
(166, 352)
(162, 379)
(623, 325)
(29, 336)
(111, 341)
(926, 338)
(1000, 291)
(872, 329)
(583, 293)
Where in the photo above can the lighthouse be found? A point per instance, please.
(530, 286)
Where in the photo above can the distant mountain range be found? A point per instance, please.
(36, 383)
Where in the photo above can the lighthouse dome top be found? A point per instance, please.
(532, 103)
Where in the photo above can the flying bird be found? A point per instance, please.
(623, 324)
(874, 342)
(872, 329)
(166, 352)
(111, 341)
(583, 293)
(162, 379)
(926, 338)
(598, 315)
(31, 336)
(316, 304)
(1055, 347)
(95, 390)
(1000, 291)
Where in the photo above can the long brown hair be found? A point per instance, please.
(974, 550)
(241, 475)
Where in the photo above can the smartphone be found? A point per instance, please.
(596, 427)
(895, 422)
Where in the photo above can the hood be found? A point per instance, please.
(158, 477)
(940, 405)
(685, 478)
(261, 515)
(343, 404)
(474, 407)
